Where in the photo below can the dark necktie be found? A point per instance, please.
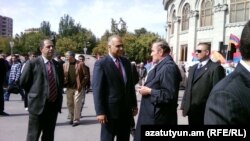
(197, 70)
(118, 65)
(199, 66)
(52, 83)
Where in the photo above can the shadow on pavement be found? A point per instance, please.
(20, 114)
(82, 122)
(88, 116)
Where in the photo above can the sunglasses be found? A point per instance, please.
(198, 51)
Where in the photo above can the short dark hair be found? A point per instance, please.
(205, 44)
(163, 45)
(245, 42)
(41, 44)
(82, 56)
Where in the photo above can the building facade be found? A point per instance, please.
(6, 26)
(190, 22)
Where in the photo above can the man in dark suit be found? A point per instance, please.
(229, 101)
(3, 70)
(160, 91)
(114, 93)
(202, 78)
(42, 79)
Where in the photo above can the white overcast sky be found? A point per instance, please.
(91, 14)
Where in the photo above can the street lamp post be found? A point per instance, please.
(11, 46)
(85, 47)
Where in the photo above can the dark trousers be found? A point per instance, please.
(119, 128)
(1, 99)
(44, 123)
(196, 118)
(25, 99)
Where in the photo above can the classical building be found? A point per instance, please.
(6, 26)
(30, 30)
(190, 22)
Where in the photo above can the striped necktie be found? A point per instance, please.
(118, 65)
(52, 83)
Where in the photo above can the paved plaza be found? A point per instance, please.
(14, 127)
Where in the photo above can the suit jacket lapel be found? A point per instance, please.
(114, 68)
(152, 73)
(202, 71)
(126, 67)
(43, 67)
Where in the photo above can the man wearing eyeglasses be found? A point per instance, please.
(201, 79)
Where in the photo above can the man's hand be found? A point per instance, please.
(102, 119)
(143, 90)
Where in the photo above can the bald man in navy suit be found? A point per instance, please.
(114, 93)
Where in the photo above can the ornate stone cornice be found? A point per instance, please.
(168, 24)
(177, 19)
(220, 7)
(205, 28)
(193, 13)
(238, 24)
(166, 3)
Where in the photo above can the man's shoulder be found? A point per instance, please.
(215, 65)
(104, 59)
(229, 82)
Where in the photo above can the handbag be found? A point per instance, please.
(14, 88)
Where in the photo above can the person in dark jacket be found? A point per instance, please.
(3, 70)
(229, 101)
(202, 77)
(42, 79)
(160, 91)
(114, 92)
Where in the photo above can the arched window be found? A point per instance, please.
(239, 10)
(173, 22)
(185, 18)
(206, 16)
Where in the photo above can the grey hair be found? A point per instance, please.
(70, 53)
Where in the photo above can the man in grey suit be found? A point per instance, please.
(160, 91)
(114, 93)
(229, 101)
(42, 79)
(202, 78)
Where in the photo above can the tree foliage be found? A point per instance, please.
(74, 37)
(45, 28)
(137, 45)
(67, 26)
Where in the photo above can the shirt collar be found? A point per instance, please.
(204, 62)
(245, 65)
(45, 60)
(113, 58)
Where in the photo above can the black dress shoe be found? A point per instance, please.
(71, 122)
(76, 123)
(4, 114)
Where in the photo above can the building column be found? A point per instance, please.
(219, 22)
(176, 46)
(192, 33)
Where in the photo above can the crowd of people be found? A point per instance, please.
(210, 97)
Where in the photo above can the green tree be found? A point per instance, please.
(138, 47)
(67, 26)
(29, 42)
(65, 44)
(4, 45)
(45, 28)
(119, 28)
(140, 31)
